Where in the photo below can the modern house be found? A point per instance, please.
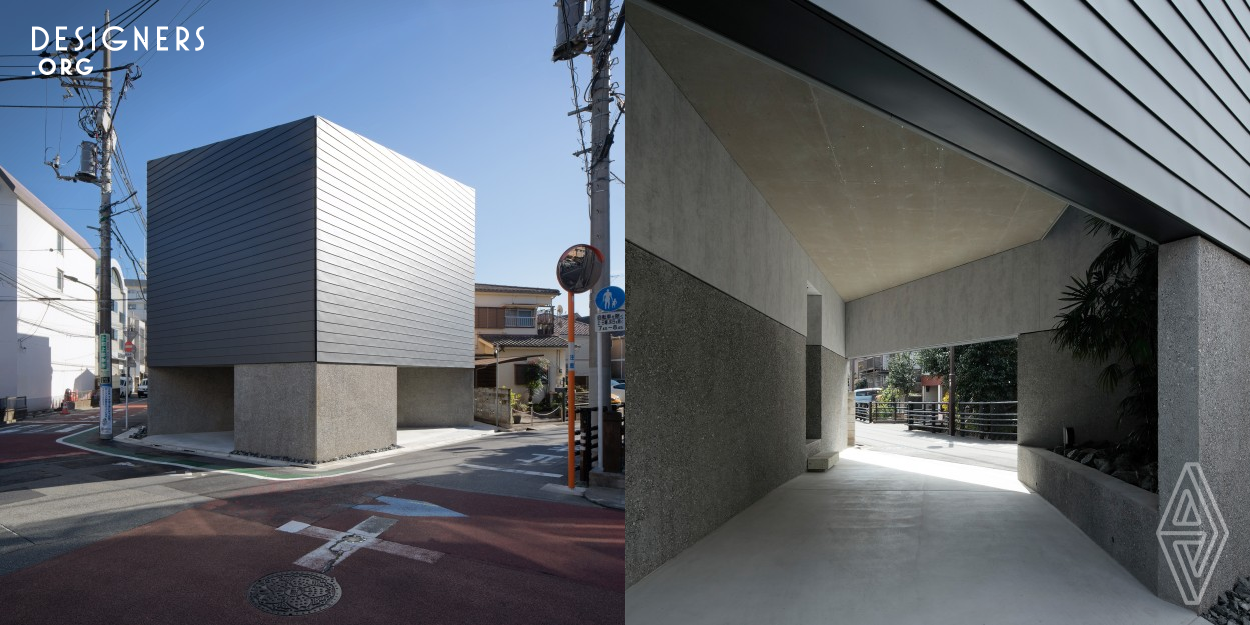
(782, 140)
(48, 277)
(309, 290)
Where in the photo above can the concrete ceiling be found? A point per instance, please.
(874, 203)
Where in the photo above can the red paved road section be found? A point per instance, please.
(511, 561)
(28, 447)
(16, 446)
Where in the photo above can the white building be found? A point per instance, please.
(137, 324)
(47, 302)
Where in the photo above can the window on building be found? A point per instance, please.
(60, 280)
(132, 306)
(488, 317)
(519, 317)
(60, 243)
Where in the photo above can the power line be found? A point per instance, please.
(38, 106)
(42, 76)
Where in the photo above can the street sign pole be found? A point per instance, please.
(577, 270)
(571, 320)
(607, 299)
(129, 348)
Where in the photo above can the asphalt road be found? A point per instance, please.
(185, 544)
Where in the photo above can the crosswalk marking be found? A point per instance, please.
(44, 428)
(517, 471)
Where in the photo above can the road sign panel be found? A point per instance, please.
(610, 298)
(610, 322)
(129, 347)
(106, 359)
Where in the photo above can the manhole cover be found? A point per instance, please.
(294, 593)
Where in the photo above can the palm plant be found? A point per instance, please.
(1112, 317)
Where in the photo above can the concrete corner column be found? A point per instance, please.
(1204, 365)
(190, 399)
(313, 411)
(435, 397)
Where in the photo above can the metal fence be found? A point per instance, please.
(983, 419)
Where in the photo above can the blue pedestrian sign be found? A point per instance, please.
(610, 298)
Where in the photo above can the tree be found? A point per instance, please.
(933, 361)
(902, 374)
(986, 371)
(1112, 319)
(983, 371)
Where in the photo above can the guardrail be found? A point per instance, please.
(984, 419)
(588, 433)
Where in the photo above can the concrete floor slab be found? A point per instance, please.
(885, 538)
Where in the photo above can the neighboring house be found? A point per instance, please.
(137, 321)
(618, 356)
(47, 302)
(581, 351)
(516, 330)
(873, 370)
(931, 389)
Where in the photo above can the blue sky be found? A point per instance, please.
(464, 87)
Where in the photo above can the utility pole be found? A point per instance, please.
(600, 179)
(575, 32)
(950, 391)
(99, 173)
(104, 127)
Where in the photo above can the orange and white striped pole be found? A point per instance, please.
(572, 393)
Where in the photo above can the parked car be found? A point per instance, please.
(142, 388)
(618, 391)
(123, 383)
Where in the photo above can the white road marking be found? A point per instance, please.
(543, 459)
(205, 471)
(518, 471)
(340, 545)
(70, 428)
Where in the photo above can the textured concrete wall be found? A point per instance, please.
(1000, 296)
(314, 412)
(190, 399)
(275, 409)
(356, 409)
(1119, 517)
(1204, 389)
(721, 420)
(691, 204)
(815, 391)
(826, 398)
(835, 371)
(1055, 391)
(435, 397)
